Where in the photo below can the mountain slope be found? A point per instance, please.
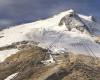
(64, 47)
(67, 31)
(27, 65)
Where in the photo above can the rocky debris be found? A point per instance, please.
(24, 44)
(7, 47)
(68, 66)
(25, 62)
(77, 67)
(19, 45)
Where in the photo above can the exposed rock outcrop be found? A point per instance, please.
(27, 63)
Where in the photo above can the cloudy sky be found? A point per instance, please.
(15, 12)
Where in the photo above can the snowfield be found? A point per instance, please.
(52, 36)
(6, 53)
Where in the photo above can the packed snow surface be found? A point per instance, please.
(50, 35)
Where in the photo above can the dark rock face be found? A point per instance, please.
(72, 20)
(19, 45)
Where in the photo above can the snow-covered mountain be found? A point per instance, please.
(67, 31)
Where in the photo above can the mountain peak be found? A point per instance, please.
(70, 11)
(59, 32)
(74, 21)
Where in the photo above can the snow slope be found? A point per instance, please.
(57, 38)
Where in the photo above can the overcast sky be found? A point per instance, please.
(15, 12)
